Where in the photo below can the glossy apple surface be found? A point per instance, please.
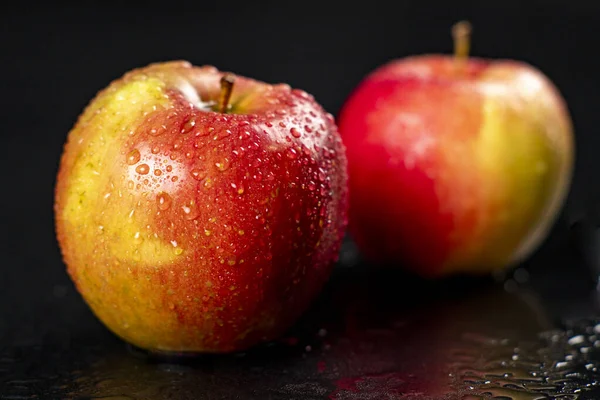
(455, 169)
(190, 230)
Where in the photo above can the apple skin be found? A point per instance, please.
(455, 171)
(192, 231)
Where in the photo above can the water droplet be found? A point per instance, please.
(174, 179)
(222, 165)
(282, 124)
(295, 133)
(308, 129)
(311, 186)
(269, 124)
(190, 211)
(292, 153)
(137, 238)
(155, 150)
(207, 232)
(158, 131)
(164, 201)
(321, 175)
(133, 157)
(188, 126)
(157, 172)
(241, 232)
(142, 169)
(198, 174)
(169, 168)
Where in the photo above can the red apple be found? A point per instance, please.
(198, 211)
(456, 165)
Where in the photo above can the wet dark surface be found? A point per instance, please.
(373, 334)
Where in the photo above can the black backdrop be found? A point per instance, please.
(54, 58)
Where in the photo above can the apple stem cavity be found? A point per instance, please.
(461, 34)
(227, 81)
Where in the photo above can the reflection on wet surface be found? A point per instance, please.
(371, 335)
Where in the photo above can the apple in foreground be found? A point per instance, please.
(199, 211)
(456, 165)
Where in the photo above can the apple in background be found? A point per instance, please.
(199, 211)
(456, 164)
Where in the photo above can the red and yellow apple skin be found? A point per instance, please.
(190, 230)
(455, 167)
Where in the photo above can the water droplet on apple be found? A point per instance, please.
(222, 165)
(190, 211)
(292, 153)
(130, 185)
(174, 179)
(137, 238)
(164, 201)
(169, 168)
(269, 124)
(295, 133)
(157, 172)
(188, 126)
(241, 232)
(311, 186)
(207, 232)
(142, 169)
(158, 131)
(321, 175)
(198, 174)
(133, 157)
(308, 129)
(155, 150)
(282, 124)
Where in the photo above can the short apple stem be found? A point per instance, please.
(461, 34)
(227, 81)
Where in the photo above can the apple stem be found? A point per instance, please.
(461, 33)
(227, 81)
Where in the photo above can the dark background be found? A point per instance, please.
(54, 58)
